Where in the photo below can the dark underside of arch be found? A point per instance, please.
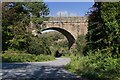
(68, 35)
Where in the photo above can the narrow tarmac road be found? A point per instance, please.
(51, 70)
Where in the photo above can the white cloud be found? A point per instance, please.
(65, 13)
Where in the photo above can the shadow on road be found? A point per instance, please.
(14, 65)
(15, 71)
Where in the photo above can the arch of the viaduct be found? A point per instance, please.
(74, 25)
(67, 34)
(71, 27)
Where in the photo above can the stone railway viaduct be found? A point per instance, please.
(74, 25)
(70, 27)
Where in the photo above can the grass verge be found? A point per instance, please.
(25, 57)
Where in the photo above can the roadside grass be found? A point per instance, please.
(25, 57)
(97, 66)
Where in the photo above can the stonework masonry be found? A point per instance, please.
(75, 25)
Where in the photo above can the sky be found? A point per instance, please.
(68, 8)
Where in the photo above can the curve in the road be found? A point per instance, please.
(51, 70)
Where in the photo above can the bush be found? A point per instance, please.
(38, 46)
(24, 57)
(97, 66)
(80, 43)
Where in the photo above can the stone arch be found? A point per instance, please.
(68, 35)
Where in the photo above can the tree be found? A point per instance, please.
(16, 19)
(104, 28)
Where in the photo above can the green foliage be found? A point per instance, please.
(38, 46)
(38, 11)
(103, 45)
(55, 41)
(25, 57)
(96, 66)
(104, 28)
(74, 64)
(52, 37)
(12, 16)
(80, 43)
(15, 20)
(101, 66)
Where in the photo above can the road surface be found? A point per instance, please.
(51, 70)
